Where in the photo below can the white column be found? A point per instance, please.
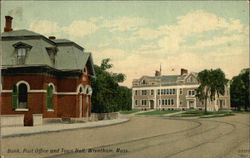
(178, 98)
(160, 98)
(155, 101)
(148, 100)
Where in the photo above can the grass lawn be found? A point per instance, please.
(128, 112)
(157, 112)
(202, 114)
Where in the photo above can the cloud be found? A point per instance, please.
(194, 25)
(175, 46)
(230, 60)
(215, 41)
(75, 29)
(44, 27)
(147, 33)
(124, 23)
(199, 21)
(81, 28)
(114, 54)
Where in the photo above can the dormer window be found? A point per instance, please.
(21, 49)
(21, 55)
(52, 53)
(85, 70)
(143, 82)
(191, 80)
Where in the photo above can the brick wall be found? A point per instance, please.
(64, 105)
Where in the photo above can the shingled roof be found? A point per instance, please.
(69, 55)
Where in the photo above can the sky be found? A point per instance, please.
(139, 36)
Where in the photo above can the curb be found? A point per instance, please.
(61, 130)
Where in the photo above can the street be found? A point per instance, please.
(141, 137)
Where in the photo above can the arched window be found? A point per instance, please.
(88, 90)
(22, 96)
(49, 97)
(80, 90)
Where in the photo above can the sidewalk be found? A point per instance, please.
(175, 113)
(141, 112)
(55, 127)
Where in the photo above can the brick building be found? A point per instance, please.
(43, 76)
(172, 92)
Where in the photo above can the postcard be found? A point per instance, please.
(124, 79)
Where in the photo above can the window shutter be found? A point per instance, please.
(14, 97)
(48, 97)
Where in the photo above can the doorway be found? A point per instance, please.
(80, 102)
(151, 104)
(191, 104)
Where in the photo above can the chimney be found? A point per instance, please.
(8, 23)
(52, 37)
(157, 73)
(184, 71)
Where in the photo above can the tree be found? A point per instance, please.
(239, 90)
(212, 83)
(107, 95)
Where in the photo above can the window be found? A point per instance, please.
(162, 102)
(181, 90)
(180, 102)
(49, 97)
(152, 92)
(173, 91)
(162, 91)
(167, 91)
(202, 102)
(159, 91)
(172, 101)
(21, 51)
(168, 101)
(159, 102)
(170, 91)
(144, 92)
(22, 96)
(191, 92)
(136, 102)
(21, 54)
(52, 53)
(136, 92)
(143, 102)
(143, 82)
(85, 70)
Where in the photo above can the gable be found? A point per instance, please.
(191, 78)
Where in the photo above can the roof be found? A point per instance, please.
(67, 57)
(22, 32)
(61, 41)
(165, 80)
(66, 42)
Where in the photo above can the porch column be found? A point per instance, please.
(155, 101)
(177, 98)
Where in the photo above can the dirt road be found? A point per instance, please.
(142, 137)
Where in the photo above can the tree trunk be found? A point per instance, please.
(205, 104)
